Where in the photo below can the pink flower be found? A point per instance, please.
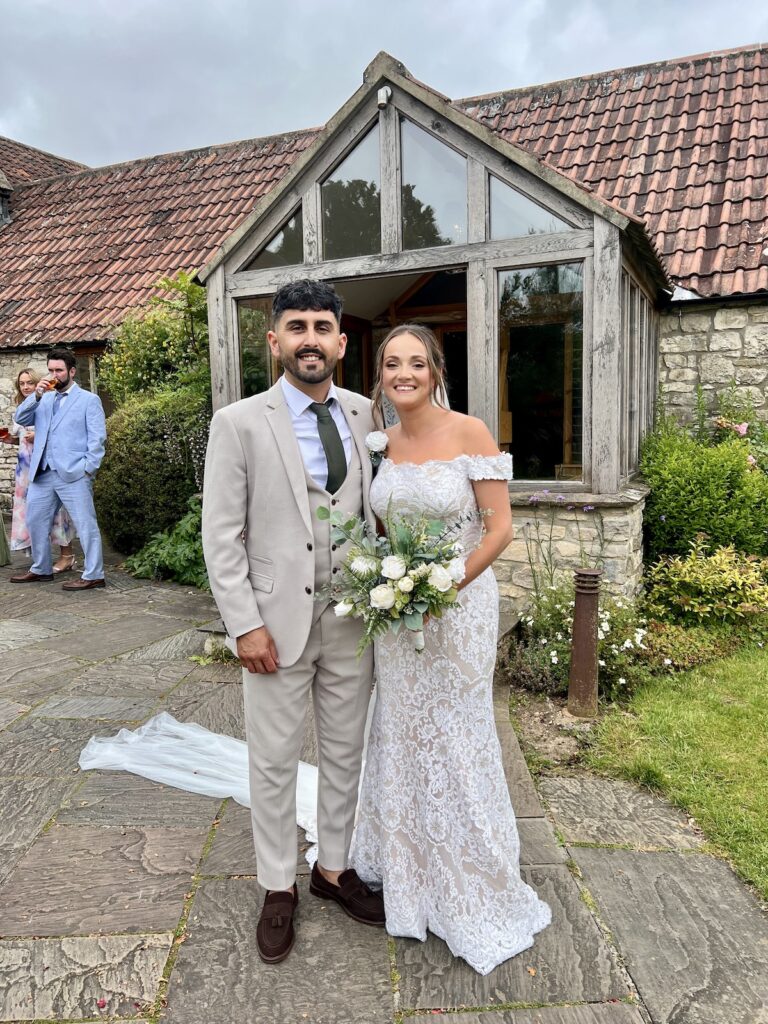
(752, 460)
(741, 428)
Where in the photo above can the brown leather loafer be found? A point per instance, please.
(275, 934)
(82, 584)
(32, 577)
(353, 896)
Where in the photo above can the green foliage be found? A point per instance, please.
(737, 416)
(672, 646)
(724, 586)
(164, 344)
(176, 554)
(153, 465)
(699, 488)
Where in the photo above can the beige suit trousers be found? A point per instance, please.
(275, 714)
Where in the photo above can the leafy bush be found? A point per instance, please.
(161, 345)
(698, 488)
(670, 646)
(724, 586)
(153, 465)
(176, 554)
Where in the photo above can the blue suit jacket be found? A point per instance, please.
(76, 439)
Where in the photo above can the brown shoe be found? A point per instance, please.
(82, 584)
(353, 895)
(32, 577)
(275, 935)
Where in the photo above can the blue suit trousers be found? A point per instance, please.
(47, 492)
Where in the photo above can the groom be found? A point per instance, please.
(272, 461)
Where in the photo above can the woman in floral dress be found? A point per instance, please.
(63, 532)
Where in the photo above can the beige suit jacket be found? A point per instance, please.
(255, 484)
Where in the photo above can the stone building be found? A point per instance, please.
(574, 246)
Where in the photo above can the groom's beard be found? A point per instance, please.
(313, 373)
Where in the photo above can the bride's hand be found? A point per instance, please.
(257, 652)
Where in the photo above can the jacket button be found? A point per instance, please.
(308, 590)
(335, 568)
(333, 547)
(309, 547)
(334, 501)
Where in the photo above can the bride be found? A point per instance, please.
(435, 823)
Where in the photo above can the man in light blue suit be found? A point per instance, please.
(70, 433)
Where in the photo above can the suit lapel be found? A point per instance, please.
(357, 427)
(71, 399)
(278, 417)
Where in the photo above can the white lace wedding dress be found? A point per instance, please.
(435, 821)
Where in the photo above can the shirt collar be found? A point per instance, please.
(297, 401)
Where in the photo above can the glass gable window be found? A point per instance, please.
(285, 248)
(514, 215)
(433, 192)
(351, 202)
(540, 370)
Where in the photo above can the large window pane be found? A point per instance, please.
(351, 200)
(540, 370)
(434, 190)
(285, 248)
(255, 359)
(514, 215)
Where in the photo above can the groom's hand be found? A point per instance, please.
(257, 651)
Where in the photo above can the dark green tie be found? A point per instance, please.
(332, 446)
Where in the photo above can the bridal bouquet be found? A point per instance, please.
(397, 580)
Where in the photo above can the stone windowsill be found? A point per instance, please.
(624, 498)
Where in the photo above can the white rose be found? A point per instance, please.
(393, 567)
(363, 565)
(440, 579)
(343, 608)
(382, 597)
(456, 569)
(376, 441)
(405, 584)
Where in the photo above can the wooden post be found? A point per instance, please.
(582, 681)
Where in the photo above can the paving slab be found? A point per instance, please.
(117, 709)
(338, 972)
(216, 673)
(130, 678)
(695, 942)
(120, 798)
(43, 746)
(538, 843)
(56, 979)
(590, 809)
(59, 622)
(112, 638)
(191, 605)
(568, 962)
(232, 852)
(15, 633)
(123, 583)
(27, 804)
(595, 1013)
(217, 708)
(10, 710)
(87, 880)
(27, 677)
(173, 646)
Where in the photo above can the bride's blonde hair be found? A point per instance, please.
(435, 362)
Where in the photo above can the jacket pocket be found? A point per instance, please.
(261, 573)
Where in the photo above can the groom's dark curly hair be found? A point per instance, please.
(306, 294)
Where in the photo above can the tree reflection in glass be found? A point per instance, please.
(540, 370)
(253, 321)
(285, 248)
(351, 201)
(514, 215)
(434, 190)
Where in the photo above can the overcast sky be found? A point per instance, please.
(103, 81)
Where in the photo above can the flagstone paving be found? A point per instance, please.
(123, 899)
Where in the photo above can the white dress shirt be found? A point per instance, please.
(305, 426)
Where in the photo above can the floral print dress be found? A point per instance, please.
(63, 530)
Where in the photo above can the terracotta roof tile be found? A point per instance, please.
(22, 163)
(682, 144)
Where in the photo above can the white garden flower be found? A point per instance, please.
(667, 661)
(343, 608)
(553, 657)
(627, 645)
(601, 663)
(393, 567)
(440, 579)
(622, 681)
(405, 585)
(382, 597)
(376, 441)
(364, 565)
(456, 569)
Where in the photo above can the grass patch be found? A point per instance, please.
(701, 739)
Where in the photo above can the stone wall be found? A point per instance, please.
(11, 362)
(711, 346)
(571, 530)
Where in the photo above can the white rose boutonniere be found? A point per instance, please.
(376, 442)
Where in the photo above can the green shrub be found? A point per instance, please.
(176, 554)
(153, 465)
(724, 586)
(670, 646)
(698, 488)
